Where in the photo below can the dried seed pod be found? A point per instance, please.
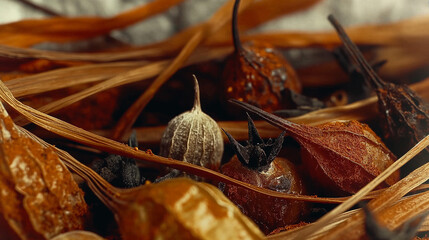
(257, 73)
(257, 163)
(78, 235)
(193, 137)
(405, 114)
(183, 209)
(39, 198)
(342, 157)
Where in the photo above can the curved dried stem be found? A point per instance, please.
(89, 139)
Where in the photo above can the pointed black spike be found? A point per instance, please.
(276, 147)
(239, 149)
(254, 137)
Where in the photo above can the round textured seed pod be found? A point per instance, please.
(193, 137)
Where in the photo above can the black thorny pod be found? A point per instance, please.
(257, 163)
(257, 154)
(406, 115)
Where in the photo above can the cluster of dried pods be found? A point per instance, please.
(40, 200)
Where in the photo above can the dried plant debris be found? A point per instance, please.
(375, 231)
(120, 171)
(257, 73)
(341, 157)
(406, 115)
(39, 198)
(78, 235)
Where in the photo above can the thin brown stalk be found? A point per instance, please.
(67, 77)
(143, 73)
(79, 135)
(220, 18)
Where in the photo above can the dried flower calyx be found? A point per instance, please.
(120, 171)
(257, 153)
(193, 137)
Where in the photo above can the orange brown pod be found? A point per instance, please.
(257, 73)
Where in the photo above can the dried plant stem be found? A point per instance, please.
(212, 25)
(138, 74)
(67, 77)
(365, 190)
(130, 116)
(134, 75)
(89, 139)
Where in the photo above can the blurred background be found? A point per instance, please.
(351, 12)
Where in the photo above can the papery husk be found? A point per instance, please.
(384, 201)
(183, 209)
(39, 197)
(78, 235)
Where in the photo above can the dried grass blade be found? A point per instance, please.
(134, 75)
(365, 190)
(89, 139)
(402, 33)
(67, 77)
(260, 12)
(29, 32)
(219, 19)
(127, 54)
(138, 74)
(360, 111)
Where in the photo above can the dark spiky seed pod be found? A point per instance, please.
(257, 163)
